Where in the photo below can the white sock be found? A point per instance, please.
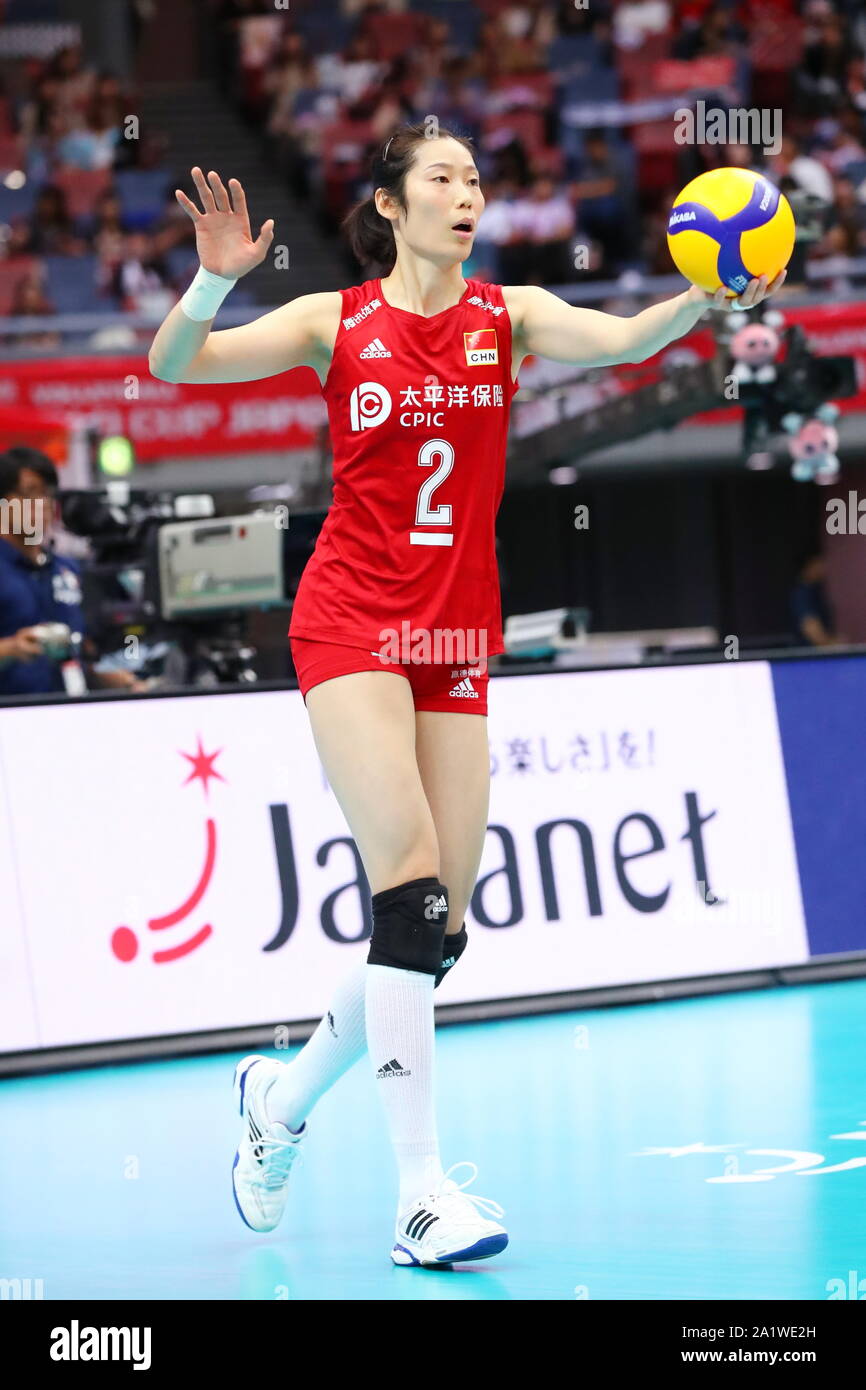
(400, 1040)
(336, 1045)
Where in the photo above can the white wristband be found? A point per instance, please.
(205, 295)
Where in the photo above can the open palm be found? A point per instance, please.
(222, 231)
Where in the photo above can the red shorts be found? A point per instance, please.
(442, 688)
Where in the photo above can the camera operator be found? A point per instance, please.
(37, 586)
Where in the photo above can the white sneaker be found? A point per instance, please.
(267, 1149)
(446, 1226)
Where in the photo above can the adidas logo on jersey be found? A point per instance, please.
(392, 1068)
(375, 349)
(464, 690)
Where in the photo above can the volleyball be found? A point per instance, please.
(729, 226)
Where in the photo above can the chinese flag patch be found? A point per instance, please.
(482, 348)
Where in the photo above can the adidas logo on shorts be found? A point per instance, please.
(464, 690)
(392, 1068)
(375, 349)
(433, 906)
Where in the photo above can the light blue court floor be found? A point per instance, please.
(711, 1148)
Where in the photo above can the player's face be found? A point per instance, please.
(443, 189)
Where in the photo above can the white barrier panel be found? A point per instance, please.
(18, 1027)
(681, 861)
(183, 864)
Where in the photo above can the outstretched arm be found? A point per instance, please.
(185, 349)
(549, 327)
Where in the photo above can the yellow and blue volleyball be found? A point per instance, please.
(729, 226)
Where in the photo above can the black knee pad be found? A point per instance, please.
(452, 949)
(409, 926)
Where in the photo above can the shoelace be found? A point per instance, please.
(443, 1193)
(276, 1163)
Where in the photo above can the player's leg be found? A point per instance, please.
(453, 757)
(364, 729)
(340, 1039)
(363, 726)
(444, 1225)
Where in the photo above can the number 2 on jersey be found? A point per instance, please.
(425, 514)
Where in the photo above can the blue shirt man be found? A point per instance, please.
(36, 585)
(42, 588)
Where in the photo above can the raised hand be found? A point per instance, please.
(222, 231)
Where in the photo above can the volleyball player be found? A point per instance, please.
(418, 369)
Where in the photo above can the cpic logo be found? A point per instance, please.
(369, 405)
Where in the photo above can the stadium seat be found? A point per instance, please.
(392, 34)
(12, 155)
(533, 89)
(82, 188)
(570, 50)
(324, 31)
(33, 11)
(17, 203)
(463, 20)
(528, 126)
(70, 283)
(142, 195)
(635, 65)
(19, 268)
(595, 84)
(657, 155)
(182, 263)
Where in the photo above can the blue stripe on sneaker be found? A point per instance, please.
(244, 1076)
(422, 1230)
(482, 1250)
(407, 1252)
(235, 1195)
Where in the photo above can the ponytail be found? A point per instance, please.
(370, 236)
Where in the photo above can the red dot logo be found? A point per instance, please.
(124, 944)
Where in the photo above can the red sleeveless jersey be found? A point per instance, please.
(418, 410)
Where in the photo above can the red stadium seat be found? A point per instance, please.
(12, 154)
(634, 65)
(775, 50)
(346, 142)
(657, 154)
(528, 126)
(82, 188)
(775, 40)
(671, 76)
(392, 34)
(11, 271)
(533, 89)
(550, 160)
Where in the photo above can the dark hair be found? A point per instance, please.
(370, 235)
(22, 456)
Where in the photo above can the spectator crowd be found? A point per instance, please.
(571, 108)
(562, 101)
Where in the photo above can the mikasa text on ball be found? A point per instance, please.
(729, 226)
